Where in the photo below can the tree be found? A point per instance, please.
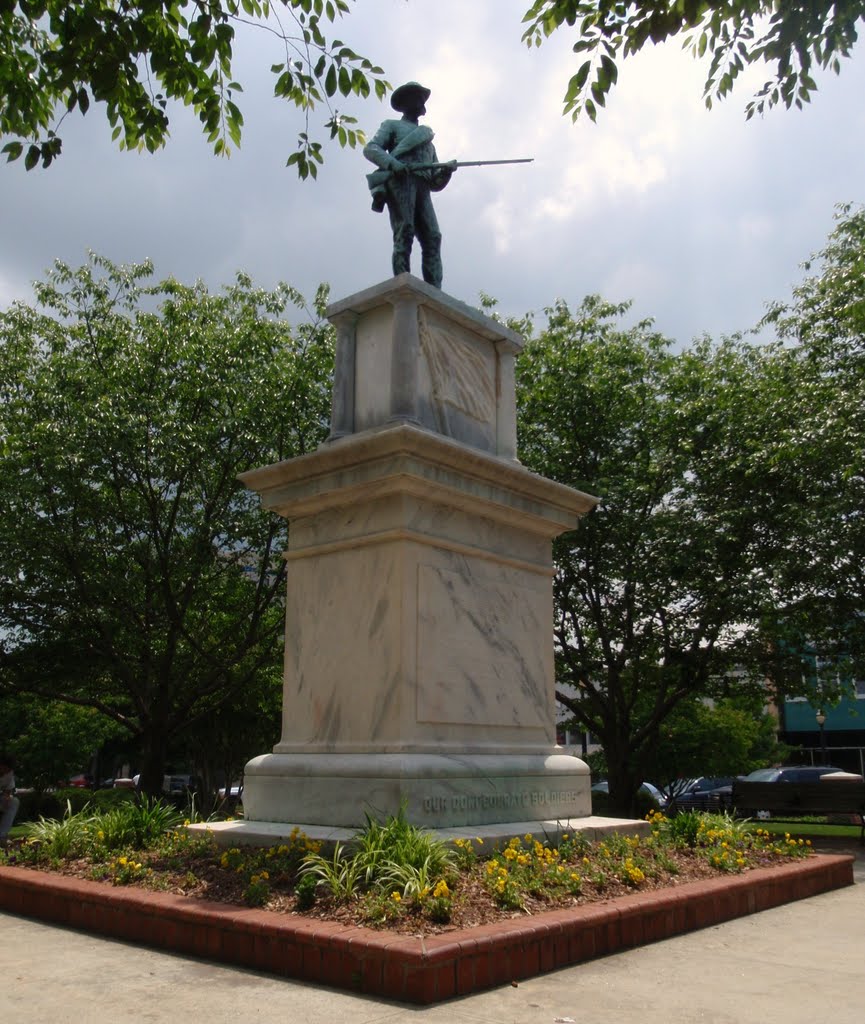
(666, 589)
(50, 740)
(824, 570)
(221, 742)
(138, 57)
(728, 737)
(137, 575)
(795, 37)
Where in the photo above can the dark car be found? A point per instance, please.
(646, 789)
(698, 794)
(787, 773)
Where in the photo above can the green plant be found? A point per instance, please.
(59, 840)
(125, 869)
(257, 891)
(465, 854)
(379, 846)
(440, 907)
(138, 824)
(572, 845)
(414, 883)
(305, 891)
(341, 874)
(179, 845)
(378, 907)
(684, 829)
(500, 883)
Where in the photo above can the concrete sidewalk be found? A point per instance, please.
(803, 963)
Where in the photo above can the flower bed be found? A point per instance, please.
(395, 876)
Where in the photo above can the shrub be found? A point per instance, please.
(53, 804)
(59, 840)
(134, 824)
(396, 843)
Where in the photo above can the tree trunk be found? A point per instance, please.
(153, 758)
(622, 780)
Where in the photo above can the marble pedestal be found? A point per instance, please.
(419, 650)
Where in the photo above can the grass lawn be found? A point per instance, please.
(808, 829)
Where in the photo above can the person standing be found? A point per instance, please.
(398, 148)
(8, 801)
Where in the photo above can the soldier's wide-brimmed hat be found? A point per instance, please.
(407, 91)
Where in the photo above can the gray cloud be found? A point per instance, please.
(698, 217)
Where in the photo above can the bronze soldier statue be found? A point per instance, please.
(403, 150)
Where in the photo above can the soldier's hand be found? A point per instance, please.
(397, 166)
(451, 165)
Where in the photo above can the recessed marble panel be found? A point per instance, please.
(481, 648)
(343, 650)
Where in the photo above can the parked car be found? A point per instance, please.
(787, 773)
(698, 794)
(647, 789)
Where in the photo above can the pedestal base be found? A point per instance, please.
(436, 790)
(268, 833)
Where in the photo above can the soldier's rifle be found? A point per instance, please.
(376, 178)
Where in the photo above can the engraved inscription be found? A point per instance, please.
(486, 801)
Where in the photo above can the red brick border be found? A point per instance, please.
(410, 969)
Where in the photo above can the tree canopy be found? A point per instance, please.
(138, 576)
(823, 570)
(673, 585)
(728, 546)
(136, 58)
(793, 38)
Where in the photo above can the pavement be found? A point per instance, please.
(802, 963)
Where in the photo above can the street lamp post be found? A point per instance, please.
(821, 722)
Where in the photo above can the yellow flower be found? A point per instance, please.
(441, 890)
(395, 896)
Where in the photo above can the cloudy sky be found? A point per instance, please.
(698, 217)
